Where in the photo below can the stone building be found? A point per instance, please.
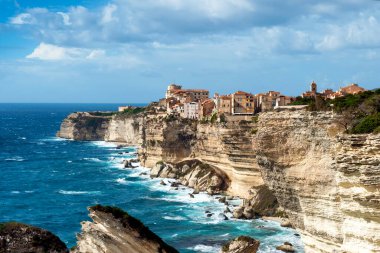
(190, 110)
(242, 103)
(223, 104)
(312, 93)
(206, 108)
(350, 89)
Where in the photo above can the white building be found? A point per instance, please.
(191, 110)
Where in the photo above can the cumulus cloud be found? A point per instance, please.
(52, 52)
(295, 26)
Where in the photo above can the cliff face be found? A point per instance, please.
(328, 186)
(92, 127)
(84, 127)
(327, 183)
(168, 140)
(113, 230)
(225, 146)
(125, 129)
(228, 147)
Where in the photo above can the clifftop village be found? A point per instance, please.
(196, 103)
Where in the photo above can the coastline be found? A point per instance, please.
(186, 191)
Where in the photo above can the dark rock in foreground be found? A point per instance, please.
(114, 230)
(21, 238)
(241, 244)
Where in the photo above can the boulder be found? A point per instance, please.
(286, 248)
(162, 182)
(238, 213)
(222, 200)
(286, 224)
(241, 244)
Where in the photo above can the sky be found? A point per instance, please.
(129, 51)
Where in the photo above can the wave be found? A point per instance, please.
(174, 218)
(104, 144)
(15, 159)
(15, 192)
(205, 248)
(54, 139)
(78, 192)
(92, 159)
(121, 181)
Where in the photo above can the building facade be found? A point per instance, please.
(242, 103)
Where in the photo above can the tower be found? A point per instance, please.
(313, 87)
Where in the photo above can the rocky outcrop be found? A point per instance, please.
(241, 244)
(21, 238)
(328, 185)
(194, 174)
(95, 126)
(84, 126)
(114, 230)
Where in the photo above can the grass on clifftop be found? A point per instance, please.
(360, 112)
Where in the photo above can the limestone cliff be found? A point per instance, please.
(167, 139)
(125, 129)
(84, 126)
(194, 174)
(325, 181)
(227, 146)
(328, 185)
(97, 126)
(113, 230)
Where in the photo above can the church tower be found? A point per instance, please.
(313, 87)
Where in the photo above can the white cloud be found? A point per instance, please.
(65, 18)
(22, 19)
(108, 13)
(50, 52)
(360, 33)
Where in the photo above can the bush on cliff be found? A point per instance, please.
(368, 124)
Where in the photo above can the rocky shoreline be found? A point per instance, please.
(301, 161)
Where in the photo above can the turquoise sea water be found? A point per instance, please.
(48, 182)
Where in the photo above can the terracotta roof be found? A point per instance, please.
(242, 93)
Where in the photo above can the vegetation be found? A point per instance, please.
(360, 112)
(254, 131)
(368, 124)
(102, 113)
(222, 118)
(214, 117)
(170, 118)
(133, 110)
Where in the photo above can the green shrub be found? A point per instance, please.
(213, 119)
(254, 130)
(255, 119)
(222, 118)
(368, 124)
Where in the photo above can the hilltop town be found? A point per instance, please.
(197, 104)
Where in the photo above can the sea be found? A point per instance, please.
(49, 182)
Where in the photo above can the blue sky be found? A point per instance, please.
(128, 51)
